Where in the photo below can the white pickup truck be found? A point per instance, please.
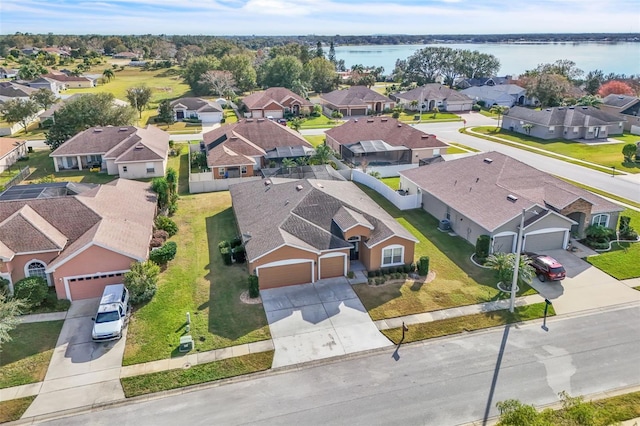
(113, 313)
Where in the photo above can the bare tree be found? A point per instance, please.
(219, 83)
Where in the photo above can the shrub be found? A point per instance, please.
(4, 286)
(164, 254)
(33, 290)
(371, 274)
(239, 254)
(625, 229)
(482, 247)
(351, 274)
(423, 266)
(166, 224)
(254, 287)
(54, 303)
(226, 255)
(380, 280)
(142, 281)
(156, 242)
(236, 242)
(161, 234)
(173, 208)
(224, 243)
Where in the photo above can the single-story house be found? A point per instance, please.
(300, 231)
(486, 194)
(356, 100)
(382, 141)
(275, 102)
(483, 81)
(196, 108)
(71, 81)
(579, 122)
(128, 151)
(241, 149)
(8, 73)
(624, 106)
(10, 151)
(11, 90)
(506, 95)
(78, 237)
(47, 83)
(430, 96)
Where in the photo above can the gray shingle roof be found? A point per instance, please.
(564, 116)
(619, 101)
(303, 211)
(479, 189)
(354, 96)
(433, 91)
(197, 104)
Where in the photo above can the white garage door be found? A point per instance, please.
(274, 113)
(541, 242)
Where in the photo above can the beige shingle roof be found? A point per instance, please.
(354, 96)
(280, 95)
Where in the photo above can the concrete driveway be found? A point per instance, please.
(320, 320)
(81, 372)
(585, 287)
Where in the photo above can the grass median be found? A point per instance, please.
(456, 325)
(12, 410)
(201, 373)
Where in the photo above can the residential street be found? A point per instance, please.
(445, 381)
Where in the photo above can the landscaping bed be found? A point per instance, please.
(201, 373)
(12, 410)
(464, 323)
(198, 282)
(25, 359)
(458, 281)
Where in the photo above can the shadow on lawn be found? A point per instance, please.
(229, 318)
(183, 173)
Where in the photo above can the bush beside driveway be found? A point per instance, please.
(458, 281)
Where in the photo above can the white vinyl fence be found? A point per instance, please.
(403, 202)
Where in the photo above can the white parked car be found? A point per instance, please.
(113, 313)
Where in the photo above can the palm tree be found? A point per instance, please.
(288, 163)
(527, 128)
(323, 154)
(296, 123)
(499, 110)
(503, 264)
(589, 100)
(108, 74)
(414, 104)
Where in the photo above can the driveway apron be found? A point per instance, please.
(81, 372)
(320, 320)
(585, 286)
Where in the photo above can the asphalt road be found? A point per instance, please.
(446, 381)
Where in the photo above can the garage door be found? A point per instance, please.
(503, 244)
(256, 113)
(541, 242)
(87, 288)
(358, 111)
(280, 276)
(274, 113)
(332, 267)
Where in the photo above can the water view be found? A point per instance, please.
(620, 58)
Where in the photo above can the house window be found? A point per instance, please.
(601, 220)
(552, 128)
(221, 171)
(591, 129)
(36, 269)
(436, 152)
(243, 170)
(151, 168)
(124, 169)
(392, 255)
(576, 129)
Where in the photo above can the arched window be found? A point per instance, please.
(600, 219)
(392, 255)
(36, 269)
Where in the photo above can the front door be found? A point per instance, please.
(596, 132)
(354, 253)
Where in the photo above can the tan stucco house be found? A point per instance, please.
(243, 148)
(355, 101)
(275, 102)
(10, 151)
(485, 194)
(196, 108)
(128, 151)
(78, 237)
(300, 231)
(430, 96)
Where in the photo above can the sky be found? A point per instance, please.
(321, 17)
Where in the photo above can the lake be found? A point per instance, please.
(620, 58)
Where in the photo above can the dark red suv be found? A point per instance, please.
(547, 268)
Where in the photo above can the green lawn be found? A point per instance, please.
(606, 155)
(12, 410)
(201, 373)
(25, 359)
(41, 166)
(315, 140)
(408, 116)
(320, 122)
(621, 262)
(391, 182)
(198, 282)
(464, 323)
(626, 138)
(458, 281)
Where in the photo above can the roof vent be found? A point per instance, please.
(399, 125)
(267, 182)
(512, 198)
(384, 119)
(370, 120)
(320, 185)
(139, 146)
(560, 108)
(572, 107)
(488, 160)
(299, 187)
(97, 130)
(424, 136)
(124, 129)
(249, 120)
(548, 109)
(260, 120)
(584, 107)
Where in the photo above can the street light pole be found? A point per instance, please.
(516, 267)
